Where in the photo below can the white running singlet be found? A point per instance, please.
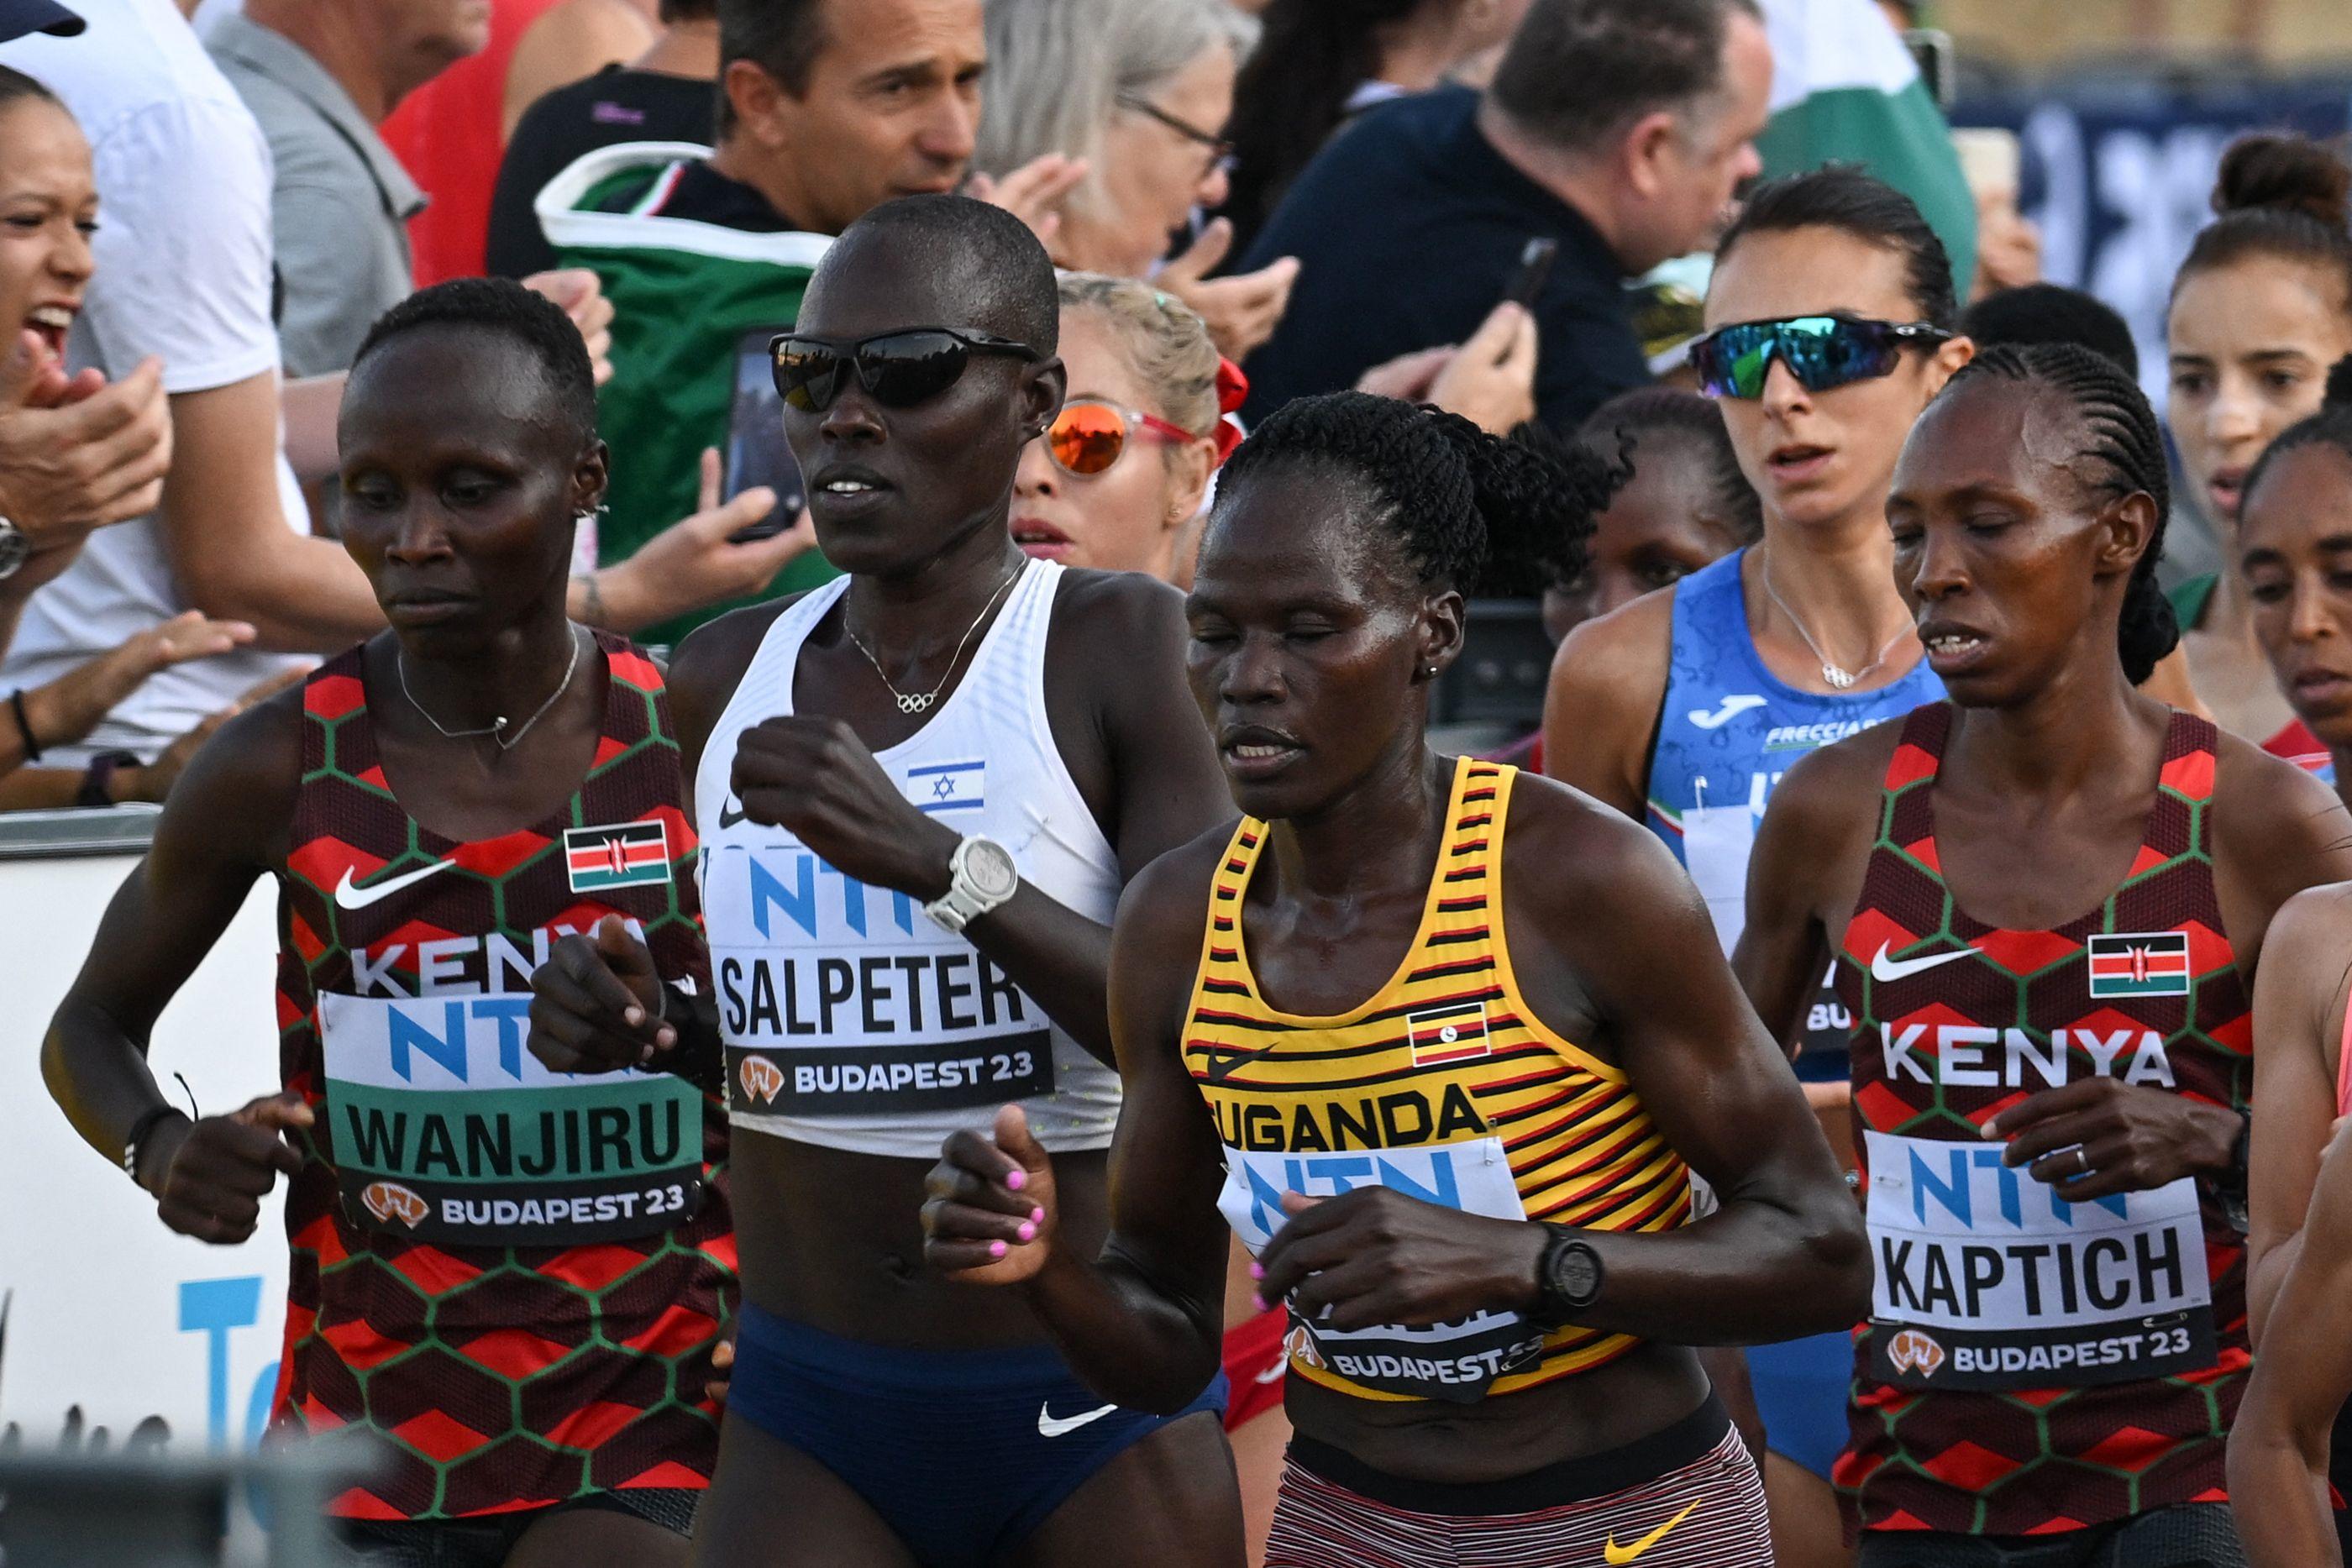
(852, 1020)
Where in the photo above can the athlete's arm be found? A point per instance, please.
(1600, 706)
(2279, 1448)
(224, 826)
(1141, 1323)
(1815, 831)
(2299, 1003)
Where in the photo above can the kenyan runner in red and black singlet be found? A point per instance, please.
(511, 1278)
(2047, 898)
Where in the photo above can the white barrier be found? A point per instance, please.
(106, 1310)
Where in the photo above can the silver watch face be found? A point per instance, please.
(15, 548)
(988, 866)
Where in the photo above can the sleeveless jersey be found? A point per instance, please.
(1444, 1085)
(1729, 728)
(852, 1020)
(514, 1276)
(2032, 1364)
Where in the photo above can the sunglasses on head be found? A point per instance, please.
(1089, 435)
(898, 369)
(1821, 351)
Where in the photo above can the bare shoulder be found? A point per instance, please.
(1834, 786)
(1621, 659)
(2268, 810)
(1167, 902)
(1097, 607)
(708, 664)
(1569, 850)
(237, 796)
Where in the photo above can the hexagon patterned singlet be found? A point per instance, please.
(568, 1354)
(2033, 1365)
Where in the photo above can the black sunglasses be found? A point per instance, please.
(898, 369)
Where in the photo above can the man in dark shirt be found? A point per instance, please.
(1618, 130)
(668, 94)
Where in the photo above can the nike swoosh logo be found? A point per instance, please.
(1271, 1372)
(1616, 1554)
(1732, 709)
(730, 813)
(350, 897)
(1051, 1425)
(1883, 967)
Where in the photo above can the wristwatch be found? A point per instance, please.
(1568, 1278)
(15, 548)
(97, 790)
(982, 877)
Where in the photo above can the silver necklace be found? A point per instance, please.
(491, 730)
(917, 702)
(1836, 674)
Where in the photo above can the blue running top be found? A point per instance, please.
(1729, 729)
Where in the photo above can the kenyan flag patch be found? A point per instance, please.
(2144, 965)
(627, 854)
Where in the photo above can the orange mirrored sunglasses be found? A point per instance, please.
(1088, 436)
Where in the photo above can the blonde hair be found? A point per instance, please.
(1163, 342)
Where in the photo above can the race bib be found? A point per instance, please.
(447, 1130)
(1986, 1278)
(837, 998)
(1718, 841)
(1453, 1361)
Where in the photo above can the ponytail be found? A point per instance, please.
(1468, 510)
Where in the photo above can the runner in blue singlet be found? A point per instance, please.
(1828, 321)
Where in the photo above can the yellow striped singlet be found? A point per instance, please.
(1444, 1085)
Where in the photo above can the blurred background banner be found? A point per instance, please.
(2117, 170)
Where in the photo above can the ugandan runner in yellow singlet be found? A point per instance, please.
(1444, 1086)
(1464, 1040)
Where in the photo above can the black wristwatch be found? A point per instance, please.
(2229, 1184)
(1569, 1277)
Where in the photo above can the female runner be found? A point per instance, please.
(2046, 899)
(1454, 1106)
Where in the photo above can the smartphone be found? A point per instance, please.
(1931, 47)
(1535, 265)
(757, 453)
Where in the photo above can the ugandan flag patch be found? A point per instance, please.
(627, 855)
(2147, 964)
(1454, 1032)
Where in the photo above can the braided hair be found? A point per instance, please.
(2122, 435)
(1665, 420)
(1468, 510)
(2332, 424)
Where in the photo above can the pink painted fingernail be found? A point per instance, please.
(1038, 1215)
(998, 1248)
(1016, 1180)
(1027, 1232)
(1257, 1270)
(1262, 1304)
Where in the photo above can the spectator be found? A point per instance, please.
(320, 76)
(828, 108)
(1138, 92)
(1320, 65)
(446, 134)
(573, 40)
(663, 95)
(2048, 313)
(184, 273)
(1617, 131)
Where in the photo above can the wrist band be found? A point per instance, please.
(139, 1131)
(24, 726)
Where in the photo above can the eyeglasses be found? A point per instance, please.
(898, 370)
(1221, 151)
(1089, 436)
(1821, 351)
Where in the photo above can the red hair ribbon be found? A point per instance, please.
(1232, 388)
